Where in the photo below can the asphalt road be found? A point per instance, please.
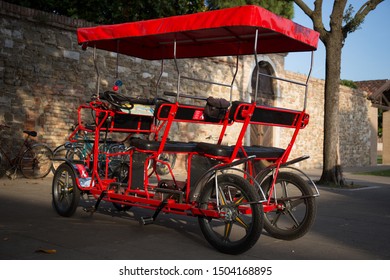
(351, 224)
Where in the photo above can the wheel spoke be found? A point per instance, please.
(222, 198)
(241, 222)
(238, 201)
(291, 215)
(284, 189)
(276, 219)
(296, 202)
(227, 231)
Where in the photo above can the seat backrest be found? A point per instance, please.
(266, 115)
(184, 113)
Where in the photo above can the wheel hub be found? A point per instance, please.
(285, 206)
(228, 213)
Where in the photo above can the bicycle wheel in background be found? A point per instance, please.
(58, 153)
(36, 161)
(65, 151)
(3, 165)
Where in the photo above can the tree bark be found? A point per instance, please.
(332, 172)
(334, 41)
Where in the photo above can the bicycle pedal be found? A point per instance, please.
(147, 220)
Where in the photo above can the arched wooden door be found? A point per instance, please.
(262, 135)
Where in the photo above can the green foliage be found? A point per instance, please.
(117, 11)
(380, 123)
(114, 11)
(283, 8)
(384, 173)
(348, 83)
(354, 22)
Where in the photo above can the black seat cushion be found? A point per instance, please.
(170, 146)
(226, 151)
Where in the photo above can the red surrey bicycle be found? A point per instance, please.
(232, 198)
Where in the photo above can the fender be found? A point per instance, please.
(81, 172)
(266, 172)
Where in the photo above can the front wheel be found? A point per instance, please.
(65, 193)
(36, 161)
(292, 206)
(240, 221)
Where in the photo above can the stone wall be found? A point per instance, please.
(45, 76)
(386, 137)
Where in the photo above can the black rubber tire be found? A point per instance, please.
(65, 193)
(240, 232)
(36, 161)
(299, 211)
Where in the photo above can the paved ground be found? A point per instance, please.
(351, 224)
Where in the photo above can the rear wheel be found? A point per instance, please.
(36, 161)
(240, 222)
(65, 193)
(293, 206)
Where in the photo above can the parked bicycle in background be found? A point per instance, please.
(32, 159)
(80, 146)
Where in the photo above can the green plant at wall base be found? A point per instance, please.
(380, 122)
(348, 83)
(384, 173)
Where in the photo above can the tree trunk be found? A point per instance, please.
(332, 172)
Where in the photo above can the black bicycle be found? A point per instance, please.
(33, 159)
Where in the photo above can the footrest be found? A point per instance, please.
(147, 220)
(90, 209)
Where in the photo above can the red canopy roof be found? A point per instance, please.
(214, 33)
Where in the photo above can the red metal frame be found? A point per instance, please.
(236, 31)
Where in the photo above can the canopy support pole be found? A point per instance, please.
(160, 76)
(177, 70)
(257, 65)
(97, 72)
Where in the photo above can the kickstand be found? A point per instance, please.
(11, 173)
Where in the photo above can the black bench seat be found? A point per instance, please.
(170, 146)
(226, 151)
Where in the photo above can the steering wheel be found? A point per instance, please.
(118, 100)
